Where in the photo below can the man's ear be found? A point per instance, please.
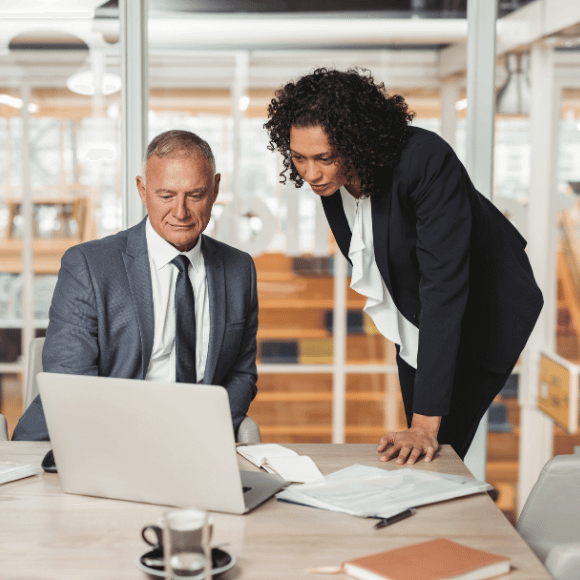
(216, 185)
(141, 188)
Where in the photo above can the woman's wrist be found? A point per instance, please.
(427, 423)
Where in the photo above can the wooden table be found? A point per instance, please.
(47, 534)
(70, 207)
(47, 253)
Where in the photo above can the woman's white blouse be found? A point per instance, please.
(367, 280)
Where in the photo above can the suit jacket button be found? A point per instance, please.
(416, 317)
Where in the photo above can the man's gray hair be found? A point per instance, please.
(178, 143)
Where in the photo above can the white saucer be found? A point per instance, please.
(154, 574)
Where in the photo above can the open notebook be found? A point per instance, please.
(285, 462)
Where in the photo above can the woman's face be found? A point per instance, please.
(315, 160)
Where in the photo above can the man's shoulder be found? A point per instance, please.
(103, 248)
(114, 241)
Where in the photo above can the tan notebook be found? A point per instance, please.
(439, 559)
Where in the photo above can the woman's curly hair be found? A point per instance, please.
(364, 125)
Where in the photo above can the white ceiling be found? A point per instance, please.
(52, 9)
(199, 50)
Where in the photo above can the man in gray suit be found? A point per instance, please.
(159, 301)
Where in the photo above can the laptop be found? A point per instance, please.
(145, 441)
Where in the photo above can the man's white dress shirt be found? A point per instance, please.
(163, 277)
(367, 280)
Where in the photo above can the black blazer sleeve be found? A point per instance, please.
(442, 209)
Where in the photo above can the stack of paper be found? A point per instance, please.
(12, 471)
(283, 461)
(366, 491)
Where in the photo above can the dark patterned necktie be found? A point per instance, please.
(184, 323)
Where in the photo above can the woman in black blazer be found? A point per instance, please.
(454, 268)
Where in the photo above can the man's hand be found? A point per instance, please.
(409, 445)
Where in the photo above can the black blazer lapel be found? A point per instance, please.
(136, 260)
(381, 209)
(336, 218)
(381, 212)
(216, 287)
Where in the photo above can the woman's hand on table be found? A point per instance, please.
(408, 446)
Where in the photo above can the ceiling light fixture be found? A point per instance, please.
(244, 103)
(17, 103)
(83, 83)
(514, 97)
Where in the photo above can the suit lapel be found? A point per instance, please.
(216, 287)
(381, 209)
(381, 212)
(336, 218)
(136, 261)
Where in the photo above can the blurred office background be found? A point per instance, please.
(213, 67)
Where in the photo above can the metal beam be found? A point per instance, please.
(481, 93)
(482, 15)
(27, 257)
(284, 31)
(536, 429)
(560, 14)
(339, 331)
(519, 30)
(134, 99)
(449, 95)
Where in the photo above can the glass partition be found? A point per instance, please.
(59, 181)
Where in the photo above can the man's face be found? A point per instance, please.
(179, 193)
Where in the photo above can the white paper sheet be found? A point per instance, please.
(300, 469)
(367, 491)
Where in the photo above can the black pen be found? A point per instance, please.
(384, 522)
